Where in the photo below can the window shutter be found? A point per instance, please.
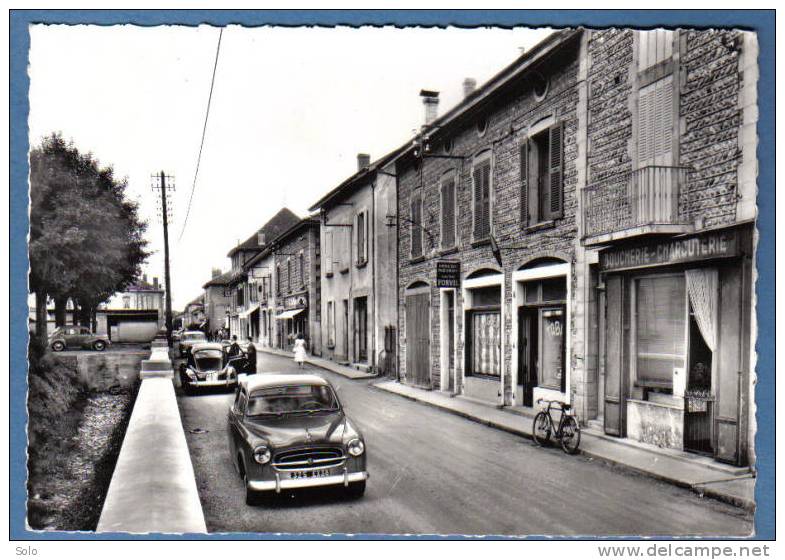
(448, 214)
(556, 168)
(328, 252)
(416, 227)
(525, 183)
(664, 117)
(486, 203)
(477, 186)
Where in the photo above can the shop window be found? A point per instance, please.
(542, 184)
(484, 332)
(481, 184)
(660, 321)
(448, 233)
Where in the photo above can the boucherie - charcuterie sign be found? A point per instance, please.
(686, 249)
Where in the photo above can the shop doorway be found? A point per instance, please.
(346, 328)
(361, 329)
(698, 399)
(527, 355)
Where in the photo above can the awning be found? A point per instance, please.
(289, 314)
(244, 314)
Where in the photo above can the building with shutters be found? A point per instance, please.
(668, 213)
(295, 286)
(358, 267)
(488, 235)
(217, 299)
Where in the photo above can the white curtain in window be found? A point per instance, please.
(702, 288)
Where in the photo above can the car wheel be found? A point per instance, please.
(99, 345)
(356, 490)
(187, 389)
(252, 497)
(58, 346)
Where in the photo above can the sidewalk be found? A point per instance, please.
(702, 475)
(345, 371)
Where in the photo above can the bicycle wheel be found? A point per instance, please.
(570, 435)
(541, 429)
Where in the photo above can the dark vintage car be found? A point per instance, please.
(290, 431)
(73, 336)
(188, 339)
(208, 365)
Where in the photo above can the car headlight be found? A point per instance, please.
(190, 373)
(356, 447)
(230, 371)
(262, 455)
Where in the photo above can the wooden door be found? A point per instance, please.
(617, 324)
(418, 342)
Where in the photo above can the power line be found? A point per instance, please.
(204, 131)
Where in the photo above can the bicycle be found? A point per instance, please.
(567, 431)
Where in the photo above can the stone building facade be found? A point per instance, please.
(669, 210)
(507, 161)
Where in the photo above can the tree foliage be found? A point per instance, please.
(86, 237)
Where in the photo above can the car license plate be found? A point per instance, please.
(316, 473)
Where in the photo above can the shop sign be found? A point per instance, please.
(448, 274)
(295, 302)
(672, 251)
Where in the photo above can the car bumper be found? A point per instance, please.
(216, 383)
(292, 483)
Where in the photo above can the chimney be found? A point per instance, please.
(155, 282)
(363, 161)
(469, 85)
(430, 100)
(260, 238)
(216, 272)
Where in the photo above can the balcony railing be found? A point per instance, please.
(645, 201)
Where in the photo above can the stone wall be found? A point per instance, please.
(508, 120)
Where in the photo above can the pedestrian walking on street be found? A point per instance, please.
(250, 357)
(299, 350)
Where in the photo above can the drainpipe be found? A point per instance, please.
(372, 249)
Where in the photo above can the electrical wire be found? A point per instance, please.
(204, 132)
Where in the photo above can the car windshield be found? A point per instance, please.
(292, 399)
(208, 360)
(194, 337)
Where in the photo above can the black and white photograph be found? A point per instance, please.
(393, 280)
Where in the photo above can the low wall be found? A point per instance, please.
(153, 489)
(100, 371)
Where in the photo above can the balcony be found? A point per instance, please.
(645, 201)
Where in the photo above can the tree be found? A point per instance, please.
(86, 238)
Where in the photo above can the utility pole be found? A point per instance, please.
(167, 277)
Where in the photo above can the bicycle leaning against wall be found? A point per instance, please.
(566, 430)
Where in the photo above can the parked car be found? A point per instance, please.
(77, 337)
(188, 339)
(290, 431)
(208, 366)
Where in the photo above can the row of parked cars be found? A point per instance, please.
(286, 431)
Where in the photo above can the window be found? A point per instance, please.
(362, 246)
(301, 257)
(448, 233)
(331, 324)
(288, 275)
(416, 226)
(328, 253)
(654, 46)
(278, 283)
(542, 184)
(660, 319)
(481, 182)
(655, 123)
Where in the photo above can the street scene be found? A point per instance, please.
(462, 478)
(505, 292)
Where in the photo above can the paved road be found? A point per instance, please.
(436, 473)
